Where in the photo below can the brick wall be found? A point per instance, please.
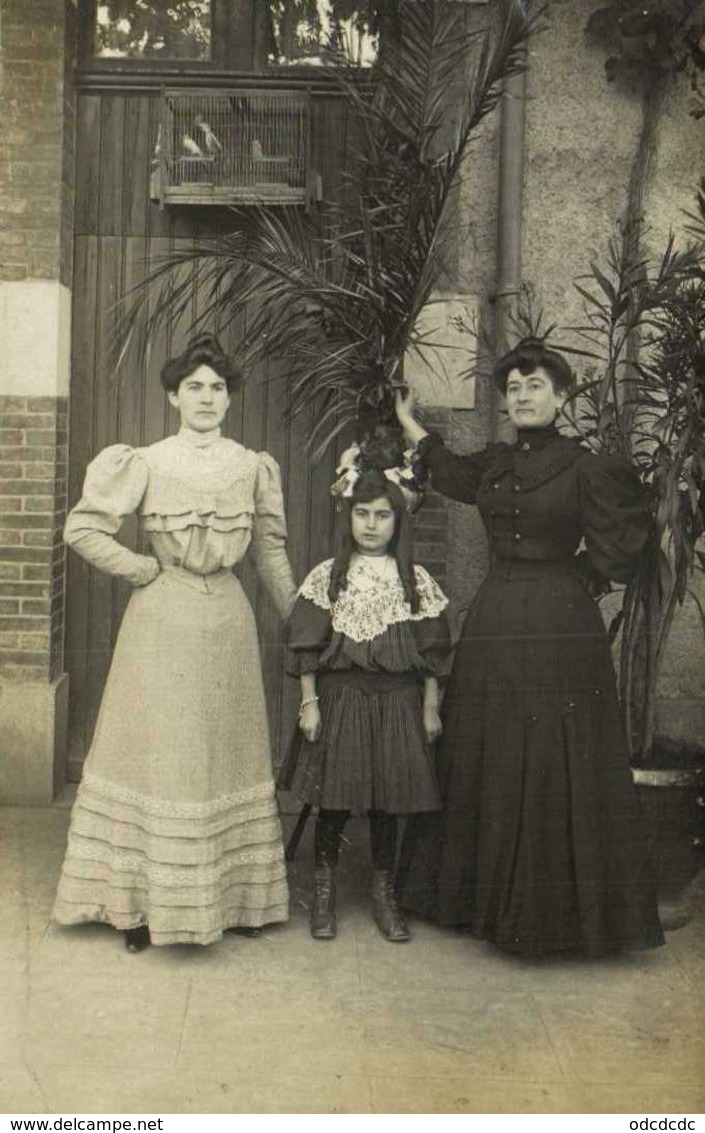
(431, 523)
(431, 537)
(36, 139)
(33, 456)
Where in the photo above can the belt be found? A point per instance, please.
(368, 681)
(205, 583)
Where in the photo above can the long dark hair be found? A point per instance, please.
(374, 485)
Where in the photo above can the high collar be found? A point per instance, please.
(198, 440)
(534, 440)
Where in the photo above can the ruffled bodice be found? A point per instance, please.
(200, 506)
(370, 626)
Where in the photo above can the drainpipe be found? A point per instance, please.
(509, 221)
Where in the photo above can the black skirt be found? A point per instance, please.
(541, 846)
(372, 753)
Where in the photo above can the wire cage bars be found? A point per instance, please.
(225, 147)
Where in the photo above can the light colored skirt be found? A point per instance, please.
(176, 824)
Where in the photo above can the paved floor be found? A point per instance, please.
(283, 1023)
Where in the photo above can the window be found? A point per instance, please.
(235, 35)
(323, 32)
(152, 29)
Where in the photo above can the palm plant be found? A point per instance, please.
(337, 291)
(651, 412)
(649, 46)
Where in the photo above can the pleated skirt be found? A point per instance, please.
(176, 823)
(541, 847)
(372, 753)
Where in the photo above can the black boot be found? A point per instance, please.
(137, 939)
(323, 921)
(326, 844)
(387, 914)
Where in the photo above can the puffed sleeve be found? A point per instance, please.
(615, 515)
(269, 536)
(431, 628)
(115, 483)
(455, 476)
(433, 643)
(308, 632)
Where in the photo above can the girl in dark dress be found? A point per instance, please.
(540, 846)
(368, 637)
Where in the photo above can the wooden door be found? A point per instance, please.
(118, 233)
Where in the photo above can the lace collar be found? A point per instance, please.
(366, 571)
(371, 603)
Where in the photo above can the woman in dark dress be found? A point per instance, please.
(540, 847)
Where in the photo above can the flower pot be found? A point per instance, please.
(671, 791)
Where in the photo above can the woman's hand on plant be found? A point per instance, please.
(432, 725)
(310, 722)
(405, 404)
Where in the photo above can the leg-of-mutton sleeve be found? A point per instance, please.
(269, 536)
(433, 642)
(453, 475)
(308, 634)
(615, 515)
(115, 483)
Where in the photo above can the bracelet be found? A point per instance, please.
(305, 704)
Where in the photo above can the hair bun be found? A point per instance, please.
(530, 353)
(205, 340)
(530, 341)
(203, 349)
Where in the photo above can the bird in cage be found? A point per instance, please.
(190, 146)
(210, 140)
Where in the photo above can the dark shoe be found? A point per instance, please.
(387, 914)
(245, 930)
(323, 922)
(137, 939)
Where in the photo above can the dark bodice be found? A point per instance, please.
(539, 497)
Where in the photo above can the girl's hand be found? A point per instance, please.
(310, 722)
(432, 725)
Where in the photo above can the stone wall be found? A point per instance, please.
(581, 136)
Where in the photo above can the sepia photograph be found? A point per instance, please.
(352, 560)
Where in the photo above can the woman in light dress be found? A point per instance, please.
(175, 834)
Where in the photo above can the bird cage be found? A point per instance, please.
(232, 147)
